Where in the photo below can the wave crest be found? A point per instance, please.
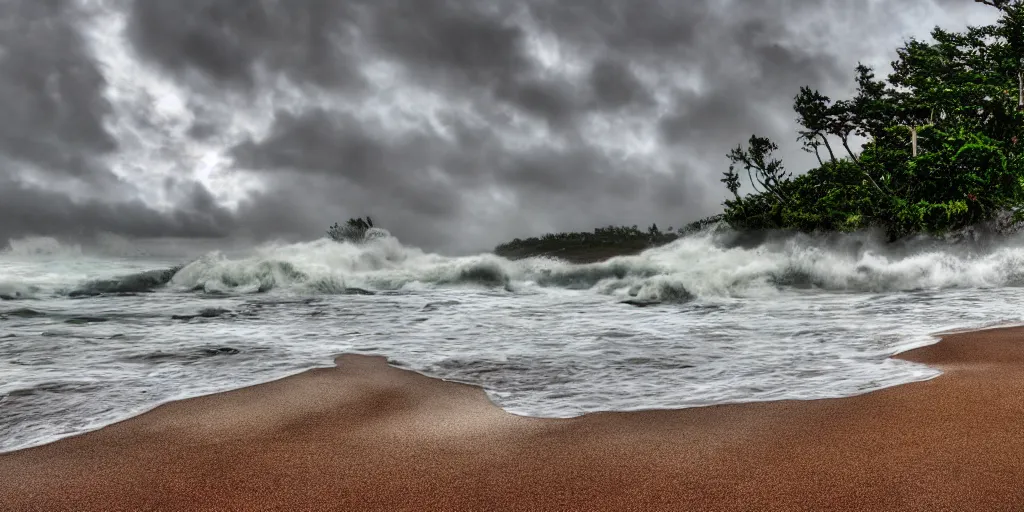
(379, 262)
(140, 282)
(713, 263)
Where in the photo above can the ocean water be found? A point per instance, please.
(88, 339)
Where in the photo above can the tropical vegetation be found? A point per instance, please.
(580, 245)
(942, 143)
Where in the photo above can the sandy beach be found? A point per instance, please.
(365, 435)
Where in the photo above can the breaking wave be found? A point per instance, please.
(131, 284)
(707, 264)
(713, 263)
(380, 263)
(16, 291)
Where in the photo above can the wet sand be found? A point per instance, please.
(369, 436)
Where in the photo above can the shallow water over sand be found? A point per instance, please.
(791, 320)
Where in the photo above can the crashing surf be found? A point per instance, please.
(711, 263)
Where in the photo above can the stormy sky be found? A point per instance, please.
(455, 124)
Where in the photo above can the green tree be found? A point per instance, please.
(813, 111)
(761, 167)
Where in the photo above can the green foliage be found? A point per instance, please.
(958, 93)
(586, 246)
(609, 235)
(761, 168)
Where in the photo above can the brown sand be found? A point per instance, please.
(368, 436)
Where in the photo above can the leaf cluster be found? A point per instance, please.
(352, 231)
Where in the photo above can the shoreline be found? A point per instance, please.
(367, 435)
(934, 338)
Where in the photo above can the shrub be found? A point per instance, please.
(353, 231)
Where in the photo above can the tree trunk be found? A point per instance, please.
(828, 147)
(1020, 90)
(750, 176)
(859, 166)
(846, 146)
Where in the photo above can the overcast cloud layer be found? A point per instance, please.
(455, 124)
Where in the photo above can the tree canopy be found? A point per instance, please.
(942, 143)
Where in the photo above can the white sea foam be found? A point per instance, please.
(793, 317)
(699, 266)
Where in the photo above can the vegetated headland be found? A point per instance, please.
(580, 247)
(599, 245)
(943, 151)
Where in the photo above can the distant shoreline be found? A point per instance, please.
(583, 247)
(580, 253)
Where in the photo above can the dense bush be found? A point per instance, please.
(353, 231)
(600, 237)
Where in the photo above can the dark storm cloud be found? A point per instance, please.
(450, 40)
(227, 39)
(641, 29)
(481, 57)
(27, 210)
(466, 47)
(615, 85)
(51, 106)
(52, 126)
(364, 160)
(551, 101)
(360, 169)
(741, 97)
